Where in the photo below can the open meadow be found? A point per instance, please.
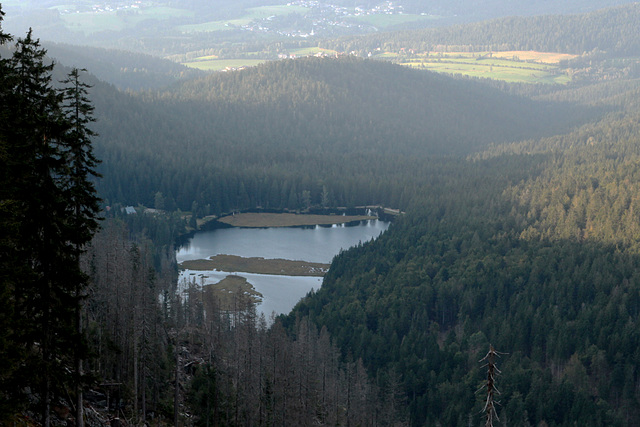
(118, 20)
(262, 12)
(511, 66)
(222, 64)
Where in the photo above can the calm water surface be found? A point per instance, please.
(280, 293)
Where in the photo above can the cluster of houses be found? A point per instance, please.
(325, 15)
(387, 7)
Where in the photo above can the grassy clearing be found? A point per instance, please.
(510, 55)
(308, 51)
(504, 73)
(280, 267)
(226, 292)
(287, 219)
(93, 22)
(541, 57)
(540, 67)
(254, 13)
(206, 27)
(222, 64)
(276, 10)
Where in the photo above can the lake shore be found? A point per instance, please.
(257, 265)
(262, 220)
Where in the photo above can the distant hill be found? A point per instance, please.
(125, 70)
(325, 100)
(157, 26)
(343, 124)
(613, 30)
(489, 9)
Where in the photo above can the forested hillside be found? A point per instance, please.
(125, 70)
(612, 30)
(542, 266)
(163, 27)
(521, 231)
(260, 137)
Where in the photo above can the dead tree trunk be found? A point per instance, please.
(492, 370)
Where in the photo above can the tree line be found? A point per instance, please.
(266, 136)
(610, 30)
(48, 213)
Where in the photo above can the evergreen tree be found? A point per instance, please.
(48, 211)
(9, 354)
(83, 201)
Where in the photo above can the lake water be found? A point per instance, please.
(280, 293)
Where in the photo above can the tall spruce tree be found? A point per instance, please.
(83, 205)
(48, 212)
(9, 354)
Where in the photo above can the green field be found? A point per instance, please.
(505, 73)
(221, 64)
(308, 51)
(252, 14)
(506, 67)
(93, 22)
(498, 66)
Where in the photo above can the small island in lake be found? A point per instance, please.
(227, 291)
(288, 219)
(282, 267)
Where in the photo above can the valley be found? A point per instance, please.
(138, 283)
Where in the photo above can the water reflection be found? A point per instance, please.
(280, 293)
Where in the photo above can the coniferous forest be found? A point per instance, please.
(520, 231)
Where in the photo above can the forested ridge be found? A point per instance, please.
(543, 267)
(521, 231)
(125, 70)
(611, 30)
(262, 136)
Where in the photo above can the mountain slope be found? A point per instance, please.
(545, 270)
(613, 30)
(125, 70)
(356, 127)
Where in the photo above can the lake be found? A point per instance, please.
(280, 293)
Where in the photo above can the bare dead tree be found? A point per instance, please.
(490, 386)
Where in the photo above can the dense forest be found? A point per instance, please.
(544, 269)
(521, 231)
(611, 30)
(158, 26)
(125, 70)
(260, 137)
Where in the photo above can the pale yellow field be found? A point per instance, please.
(543, 57)
(522, 55)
